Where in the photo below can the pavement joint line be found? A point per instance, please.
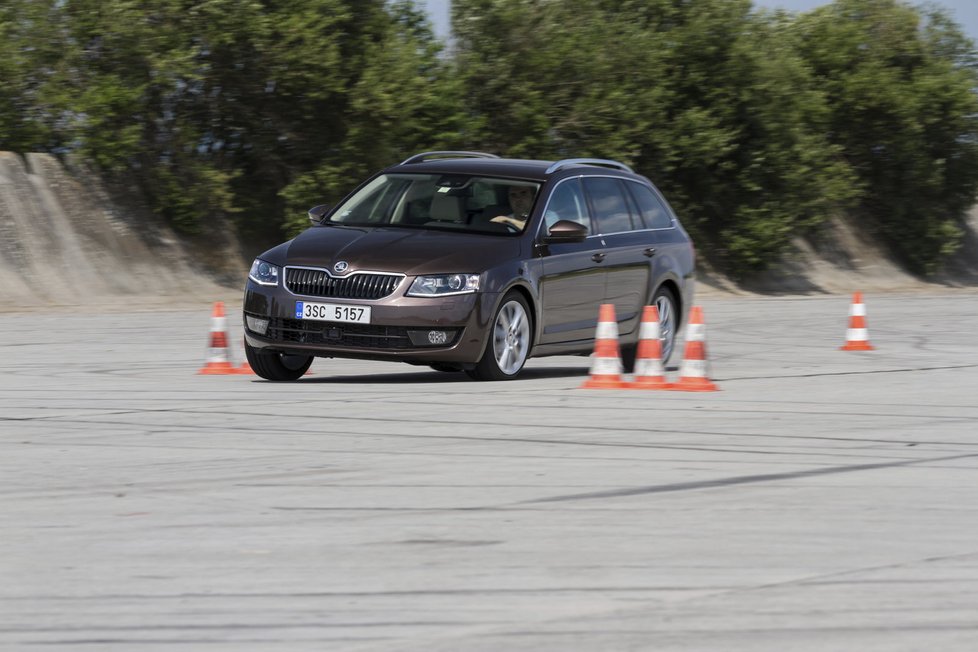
(743, 479)
(727, 409)
(345, 594)
(848, 373)
(559, 427)
(610, 445)
(822, 577)
(524, 440)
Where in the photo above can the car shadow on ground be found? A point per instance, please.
(427, 376)
(421, 375)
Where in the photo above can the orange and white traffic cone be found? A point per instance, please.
(649, 372)
(606, 367)
(693, 371)
(857, 336)
(218, 361)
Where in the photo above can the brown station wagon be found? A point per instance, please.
(464, 261)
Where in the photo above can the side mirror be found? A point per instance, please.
(565, 231)
(316, 213)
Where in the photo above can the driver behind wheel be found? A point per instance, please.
(520, 201)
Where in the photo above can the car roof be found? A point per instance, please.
(495, 167)
(516, 168)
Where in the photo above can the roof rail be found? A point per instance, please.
(588, 161)
(418, 158)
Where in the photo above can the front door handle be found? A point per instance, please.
(649, 252)
(598, 257)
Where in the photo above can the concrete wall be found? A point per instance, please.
(65, 241)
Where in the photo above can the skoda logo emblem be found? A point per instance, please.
(341, 267)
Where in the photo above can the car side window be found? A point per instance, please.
(608, 202)
(653, 211)
(567, 203)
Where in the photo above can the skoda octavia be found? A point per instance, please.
(464, 261)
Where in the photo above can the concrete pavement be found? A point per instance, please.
(823, 500)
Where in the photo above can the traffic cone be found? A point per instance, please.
(606, 367)
(857, 336)
(218, 362)
(693, 371)
(649, 372)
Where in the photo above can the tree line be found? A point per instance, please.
(758, 125)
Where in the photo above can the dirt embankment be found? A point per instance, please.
(66, 241)
(844, 260)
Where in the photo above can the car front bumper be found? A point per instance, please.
(399, 327)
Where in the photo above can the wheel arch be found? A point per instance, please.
(490, 365)
(531, 303)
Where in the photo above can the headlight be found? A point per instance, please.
(444, 285)
(263, 273)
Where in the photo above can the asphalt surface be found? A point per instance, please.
(822, 500)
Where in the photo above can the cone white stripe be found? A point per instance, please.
(857, 334)
(607, 330)
(606, 367)
(648, 367)
(858, 310)
(693, 368)
(649, 331)
(220, 354)
(695, 332)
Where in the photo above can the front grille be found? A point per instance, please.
(352, 335)
(359, 285)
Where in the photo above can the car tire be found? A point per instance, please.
(277, 366)
(665, 300)
(510, 338)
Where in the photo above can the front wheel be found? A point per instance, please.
(509, 341)
(277, 366)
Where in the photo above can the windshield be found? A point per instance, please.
(439, 201)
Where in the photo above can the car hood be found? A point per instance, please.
(405, 251)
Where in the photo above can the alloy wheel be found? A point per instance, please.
(511, 337)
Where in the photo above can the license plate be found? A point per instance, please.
(332, 312)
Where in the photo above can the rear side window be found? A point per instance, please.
(607, 197)
(567, 203)
(654, 213)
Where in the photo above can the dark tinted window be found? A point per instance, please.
(607, 197)
(567, 203)
(653, 211)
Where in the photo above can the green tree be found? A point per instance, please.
(552, 79)
(213, 107)
(708, 98)
(400, 100)
(27, 53)
(757, 125)
(782, 177)
(901, 87)
(125, 92)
